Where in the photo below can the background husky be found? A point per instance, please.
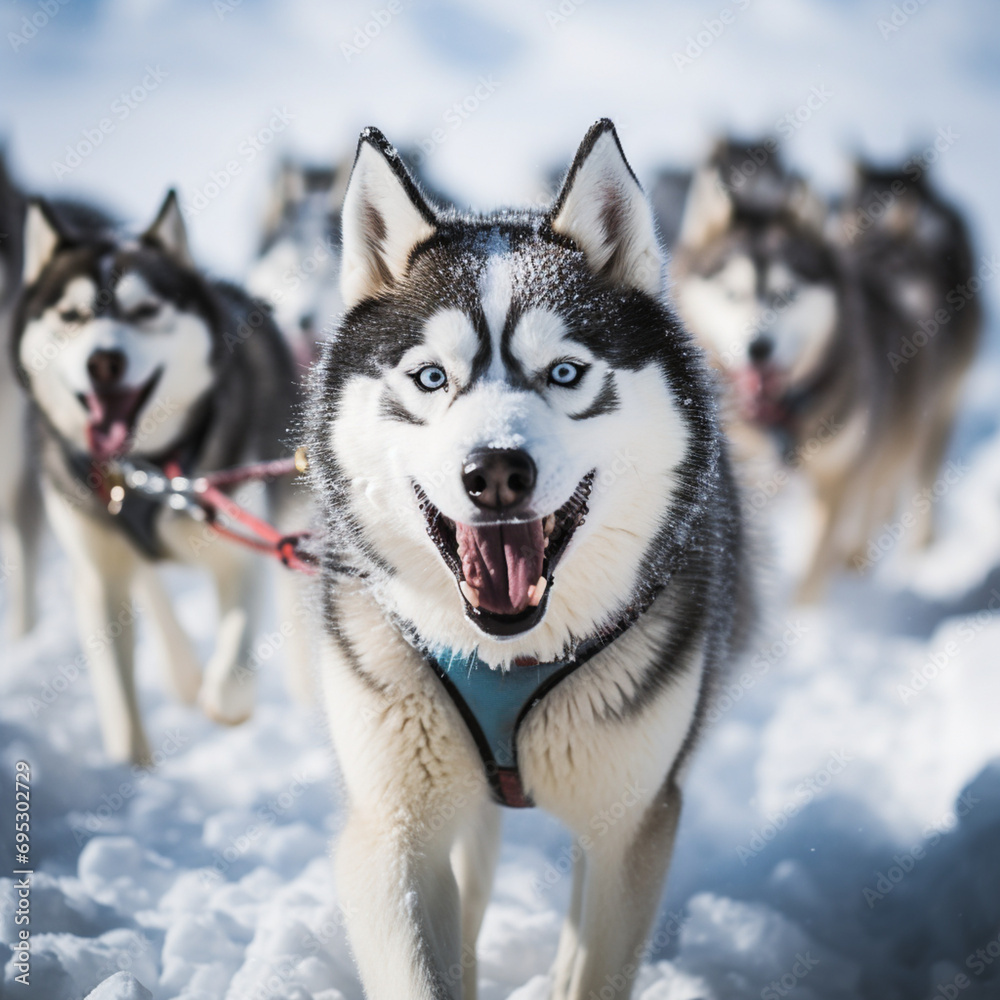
(516, 448)
(802, 329)
(910, 253)
(127, 350)
(19, 501)
(298, 267)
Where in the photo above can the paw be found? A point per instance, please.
(229, 699)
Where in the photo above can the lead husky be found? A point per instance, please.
(128, 352)
(534, 567)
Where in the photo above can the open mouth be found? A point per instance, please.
(761, 393)
(111, 416)
(504, 569)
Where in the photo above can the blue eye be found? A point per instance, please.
(566, 373)
(430, 377)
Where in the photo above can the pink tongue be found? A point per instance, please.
(502, 561)
(758, 391)
(110, 423)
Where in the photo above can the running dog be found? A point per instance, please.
(129, 353)
(533, 565)
(803, 328)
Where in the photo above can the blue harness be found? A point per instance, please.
(494, 703)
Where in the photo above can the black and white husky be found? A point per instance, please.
(810, 332)
(128, 352)
(533, 565)
(19, 504)
(298, 268)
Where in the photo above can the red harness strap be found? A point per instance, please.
(259, 535)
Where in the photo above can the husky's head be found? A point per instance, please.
(755, 280)
(299, 262)
(114, 338)
(903, 237)
(506, 425)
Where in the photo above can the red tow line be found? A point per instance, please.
(169, 483)
(259, 535)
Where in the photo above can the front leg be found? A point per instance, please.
(229, 689)
(414, 785)
(624, 875)
(229, 683)
(473, 860)
(183, 671)
(104, 565)
(610, 777)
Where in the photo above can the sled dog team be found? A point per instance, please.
(504, 610)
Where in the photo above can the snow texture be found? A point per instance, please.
(841, 833)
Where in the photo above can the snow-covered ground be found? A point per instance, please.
(841, 833)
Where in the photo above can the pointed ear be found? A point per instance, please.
(707, 210)
(42, 238)
(384, 218)
(168, 231)
(603, 210)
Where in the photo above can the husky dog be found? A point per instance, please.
(803, 328)
(128, 352)
(19, 501)
(773, 303)
(912, 258)
(533, 566)
(298, 267)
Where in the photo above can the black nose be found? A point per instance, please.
(498, 479)
(106, 368)
(760, 349)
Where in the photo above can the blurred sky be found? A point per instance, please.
(547, 70)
